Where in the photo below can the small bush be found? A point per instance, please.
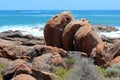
(85, 70)
(113, 71)
(101, 70)
(71, 60)
(60, 72)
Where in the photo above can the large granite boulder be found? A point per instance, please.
(69, 32)
(54, 28)
(86, 39)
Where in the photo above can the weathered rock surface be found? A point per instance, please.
(11, 51)
(54, 28)
(74, 35)
(46, 61)
(11, 33)
(42, 49)
(23, 77)
(4, 61)
(18, 38)
(100, 55)
(115, 60)
(86, 39)
(69, 32)
(115, 50)
(42, 62)
(18, 67)
(103, 28)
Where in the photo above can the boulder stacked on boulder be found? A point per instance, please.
(79, 35)
(72, 34)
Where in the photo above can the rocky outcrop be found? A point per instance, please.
(18, 38)
(54, 28)
(19, 67)
(74, 35)
(49, 49)
(11, 33)
(46, 62)
(103, 28)
(11, 51)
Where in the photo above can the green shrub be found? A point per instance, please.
(60, 72)
(113, 71)
(101, 70)
(84, 69)
(71, 60)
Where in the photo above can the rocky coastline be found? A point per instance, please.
(66, 41)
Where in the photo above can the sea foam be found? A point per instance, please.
(35, 30)
(113, 34)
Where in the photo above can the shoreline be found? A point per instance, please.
(37, 31)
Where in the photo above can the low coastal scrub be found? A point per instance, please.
(70, 61)
(60, 72)
(113, 71)
(85, 70)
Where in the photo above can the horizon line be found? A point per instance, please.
(62, 9)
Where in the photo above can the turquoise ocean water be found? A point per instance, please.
(26, 20)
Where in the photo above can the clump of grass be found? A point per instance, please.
(101, 70)
(60, 72)
(113, 71)
(71, 60)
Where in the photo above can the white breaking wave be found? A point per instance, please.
(35, 30)
(110, 34)
(113, 34)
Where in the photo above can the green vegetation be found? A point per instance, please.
(83, 69)
(60, 72)
(71, 60)
(113, 71)
(101, 70)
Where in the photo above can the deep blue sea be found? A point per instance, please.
(26, 20)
